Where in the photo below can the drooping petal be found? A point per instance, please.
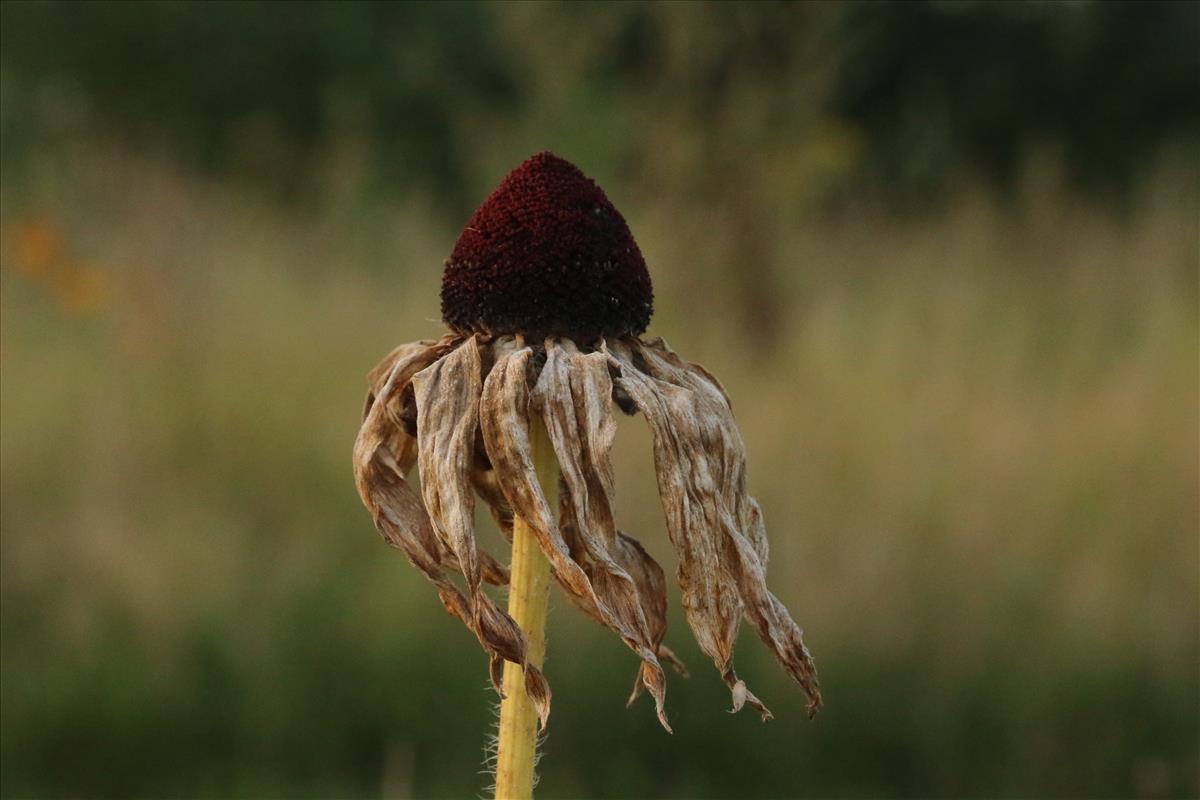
(447, 400)
(447, 395)
(504, 417)
(651, 585)
(747, 535)
(652, 591)
(715, 525)
(574, 394)
(380, 452)
(400, 408)
(695, 377)
(432, 349)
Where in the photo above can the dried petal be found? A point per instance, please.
(383, 456)
(379, 474)
(652, 591)
(401, 411)
(504, 417)
(574, 393)
(715, 525)
(447, 395)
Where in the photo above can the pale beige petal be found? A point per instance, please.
(574, 394)
(646, 572)
(652, 591)
(447, 396)
(715, 525)
(504, 417)
(401, 409)
(742, 522)
(379, 473)
(381, 463)
(447, 399)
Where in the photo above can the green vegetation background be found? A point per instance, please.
(943, 256)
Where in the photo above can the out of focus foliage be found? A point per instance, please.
(900, 99)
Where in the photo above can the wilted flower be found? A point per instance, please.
(546, 295)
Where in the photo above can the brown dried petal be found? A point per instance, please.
(398, 513)
(504, 417)
(715, 525)
(430, 350)
(747, 537)
(647, 575)
(411, 358)
(695, 377)
(447, 395)
(400, 408)
(447, 398)
(652, 591)
(710, 382)
(574, 393)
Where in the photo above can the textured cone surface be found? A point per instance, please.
(547, 254)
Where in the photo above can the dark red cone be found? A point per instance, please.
(547, 254)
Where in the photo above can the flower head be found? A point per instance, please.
(546, 294)
(547, 254)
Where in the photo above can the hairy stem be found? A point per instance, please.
(528, 602)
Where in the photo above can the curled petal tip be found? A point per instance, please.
(738, 693)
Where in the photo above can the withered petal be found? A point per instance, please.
(380, 477)
(574, 394)
(504, 417)
(383, 455)
(447, 395)
(473, 435)
(748, 540)
(713, 523)
(652, 591)
(399, 406)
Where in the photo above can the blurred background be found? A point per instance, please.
(943, 255)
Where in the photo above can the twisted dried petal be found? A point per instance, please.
(504, 417)
(447, 397)
(695, 377)
(574, 393)
(504, 411)
(652, 592)
(715, 525)
(647, 575)
(400, 409)
(747, 536)
(505, 421)
(379, 474)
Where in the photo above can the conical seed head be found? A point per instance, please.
(547, 254)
